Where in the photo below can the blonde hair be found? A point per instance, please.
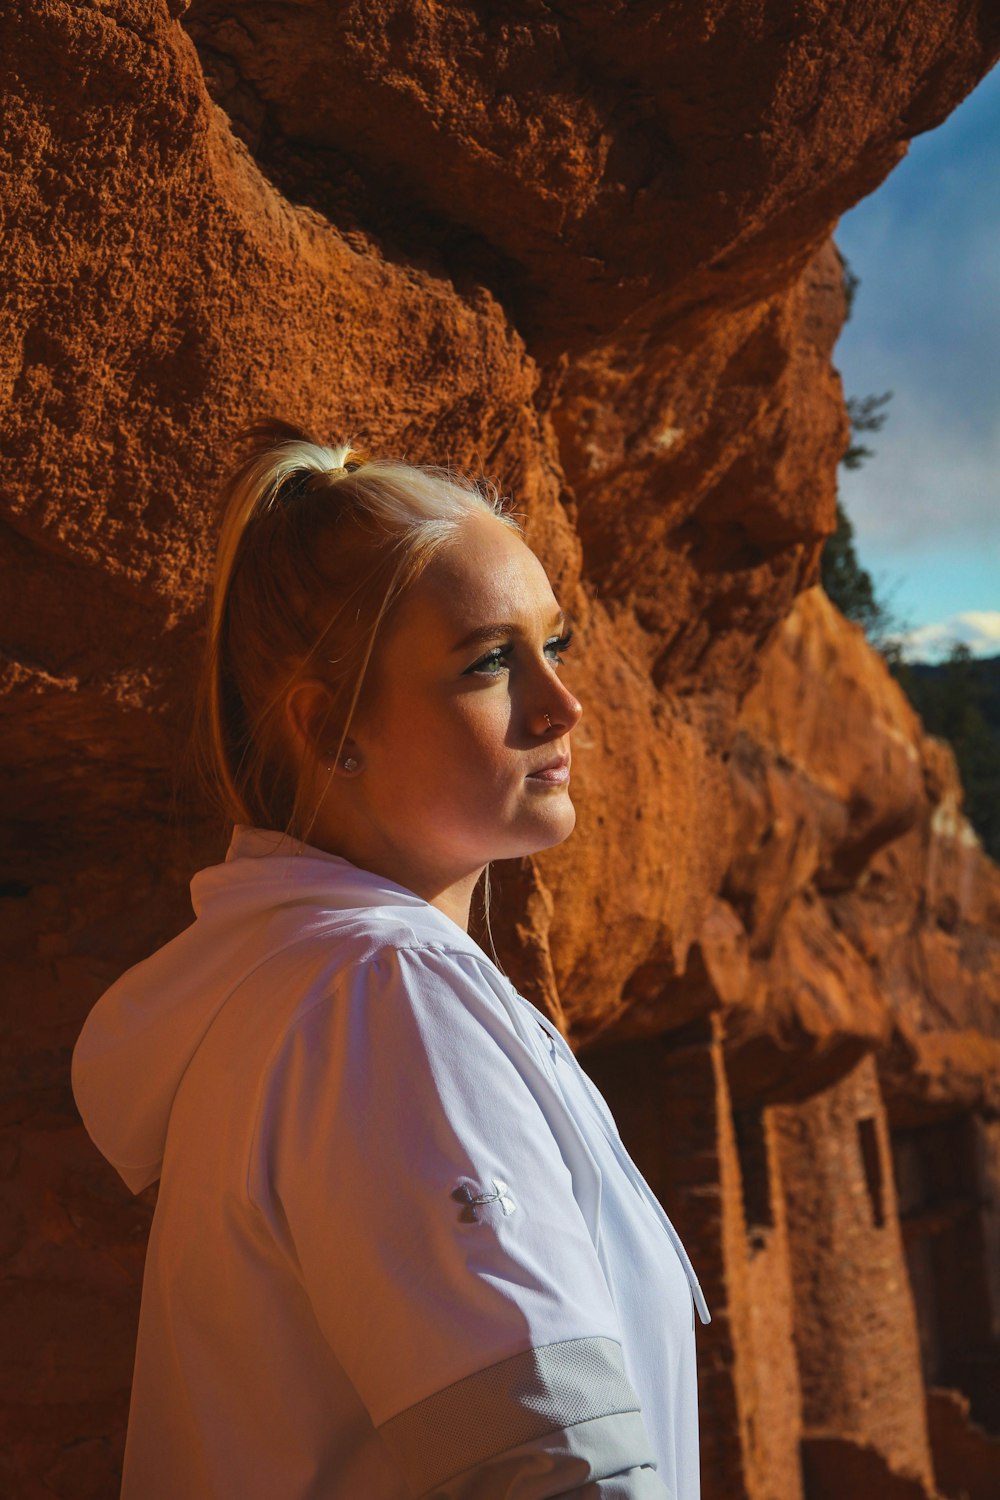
(304, 527)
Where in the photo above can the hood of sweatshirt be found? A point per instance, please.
(142, 1033)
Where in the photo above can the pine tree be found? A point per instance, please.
(845, 581)
(957, 700)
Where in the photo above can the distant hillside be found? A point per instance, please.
(959, 700)
(983, 672)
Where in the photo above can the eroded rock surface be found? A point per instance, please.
(585, 249)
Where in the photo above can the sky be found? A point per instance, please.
(925, 324)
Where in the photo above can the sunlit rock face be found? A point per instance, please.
(586, 251)
(830, 1126)
(868, 907)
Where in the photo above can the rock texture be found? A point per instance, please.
(585, 249)
(828, 1130)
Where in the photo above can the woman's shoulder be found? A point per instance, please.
(399, 1015)
(349, 940)
(337, 964)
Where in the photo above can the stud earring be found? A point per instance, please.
(349, 762)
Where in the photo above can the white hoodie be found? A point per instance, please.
(399, 1249)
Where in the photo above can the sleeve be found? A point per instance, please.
(436, 1231)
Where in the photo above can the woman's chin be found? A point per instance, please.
(554, 824)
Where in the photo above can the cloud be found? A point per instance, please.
(978, 628)
(933, 479)
(926, 325)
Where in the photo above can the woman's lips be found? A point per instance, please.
(556, 774)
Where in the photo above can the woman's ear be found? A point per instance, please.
(307, 711)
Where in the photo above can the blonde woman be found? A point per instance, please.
(398, 1248)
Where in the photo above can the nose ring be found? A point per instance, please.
(548, 721)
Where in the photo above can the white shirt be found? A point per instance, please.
(399, 1249)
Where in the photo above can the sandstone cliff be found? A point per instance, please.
(587, 249)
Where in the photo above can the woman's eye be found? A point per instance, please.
(496, 657)
(561, 644)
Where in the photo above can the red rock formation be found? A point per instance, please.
(833, 1129)
(586, 249)
(967, 1459)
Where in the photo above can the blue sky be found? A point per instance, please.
(926, 325)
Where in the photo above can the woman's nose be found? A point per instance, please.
(564, 712)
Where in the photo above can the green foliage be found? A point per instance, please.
(852, 590)
(959, 701)
(851, 284)
(865, 417)
(845, 581)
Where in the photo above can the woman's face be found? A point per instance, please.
(447, 749)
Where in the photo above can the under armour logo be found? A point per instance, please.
(470, 1199)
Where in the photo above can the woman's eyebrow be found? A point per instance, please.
(562, 622)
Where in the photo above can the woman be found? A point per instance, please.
(398, 1247)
